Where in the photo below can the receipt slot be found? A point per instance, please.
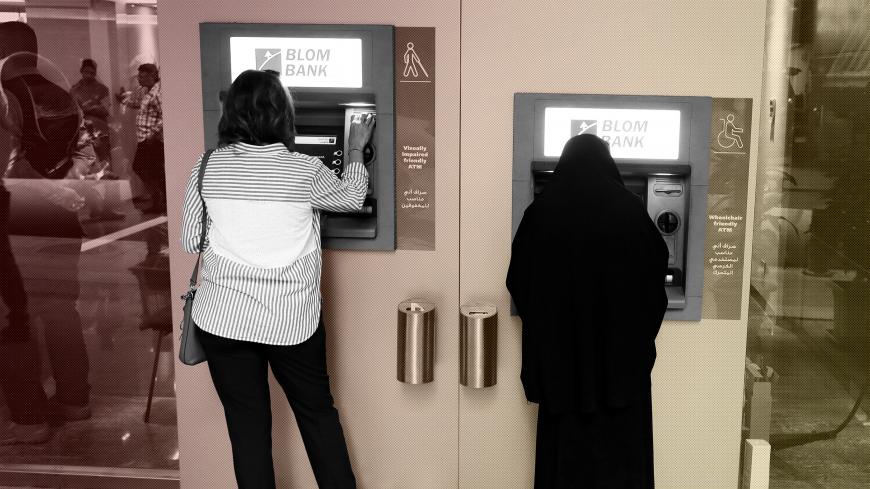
(661, 148)
(335, 74)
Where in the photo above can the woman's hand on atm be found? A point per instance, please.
(361, 128)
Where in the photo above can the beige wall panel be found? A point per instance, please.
(685, 47)
(399, 436)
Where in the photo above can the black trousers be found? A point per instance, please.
(11, 286)
(149, 165)
(239, 372)
(64, 340)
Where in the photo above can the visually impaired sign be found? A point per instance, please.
(415, 138)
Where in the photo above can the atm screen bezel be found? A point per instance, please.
(222, 68)
(613, 102)
(379, 61)
(693, 166)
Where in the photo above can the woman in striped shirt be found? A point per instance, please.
(258, 304)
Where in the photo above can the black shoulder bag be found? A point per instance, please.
(190, 352)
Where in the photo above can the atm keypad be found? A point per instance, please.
(336, 165)
(324, 145)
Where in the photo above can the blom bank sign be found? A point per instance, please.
(640, 134)
(301, 62)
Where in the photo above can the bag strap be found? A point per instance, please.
(204, 225)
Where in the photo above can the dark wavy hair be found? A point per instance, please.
(16, 37)
(257, 110)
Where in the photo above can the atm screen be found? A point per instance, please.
(634, 134)
(327, 147)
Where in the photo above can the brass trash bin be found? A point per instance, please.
(416, 342)
(478, 345)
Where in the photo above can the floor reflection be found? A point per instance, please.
(819, 373)
(124, 305)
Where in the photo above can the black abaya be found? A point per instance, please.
(607, 449)
(587, 276)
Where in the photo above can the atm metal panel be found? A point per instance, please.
(377, 53)
(690, 167)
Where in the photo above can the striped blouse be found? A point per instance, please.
(260, 278)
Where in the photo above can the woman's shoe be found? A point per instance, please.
(69, 412)
(13, 433)
(74, 413)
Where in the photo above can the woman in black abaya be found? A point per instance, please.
(587, 276)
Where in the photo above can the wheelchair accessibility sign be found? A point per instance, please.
(729, 138)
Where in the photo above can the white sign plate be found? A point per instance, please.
(644, 134)
(301, 61)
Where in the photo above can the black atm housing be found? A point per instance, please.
(323, 116)
(674, 191)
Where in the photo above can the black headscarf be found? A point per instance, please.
(587, 276)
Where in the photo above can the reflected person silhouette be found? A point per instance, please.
(90, 94)
(41, 205)
(149, 160)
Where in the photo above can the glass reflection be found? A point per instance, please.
(86, 368)
(809, 324)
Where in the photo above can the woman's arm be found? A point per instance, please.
(191, 219)
(330, 193)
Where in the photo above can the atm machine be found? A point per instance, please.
(335, 73)
(661, 146)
